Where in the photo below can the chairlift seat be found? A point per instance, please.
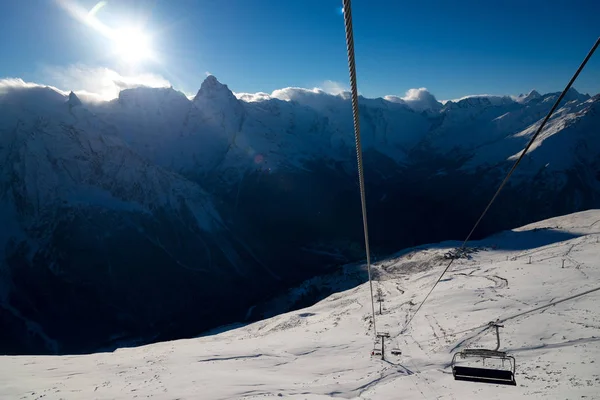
(396, 352)
(484, 375)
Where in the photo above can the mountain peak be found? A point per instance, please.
(573, 94)
(211, 88)
(211, 80)
(213, 95)
(526, 98)
(73, 100)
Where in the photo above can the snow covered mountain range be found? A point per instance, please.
(521, 277)
(154, 216)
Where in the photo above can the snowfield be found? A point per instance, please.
(324, 351)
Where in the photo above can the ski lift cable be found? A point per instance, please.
(347, 9)
(486, 326)
(553, 303)
(529, 144)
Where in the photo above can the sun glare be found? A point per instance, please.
(132, 45)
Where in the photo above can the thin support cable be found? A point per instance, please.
(355, 115)
(553, 303)
(499, 320)
(554, 107)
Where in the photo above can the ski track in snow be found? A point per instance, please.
(323, 351)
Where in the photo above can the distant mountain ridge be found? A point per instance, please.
(154, 216)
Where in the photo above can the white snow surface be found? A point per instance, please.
(323, 351)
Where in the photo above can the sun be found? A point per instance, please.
(132, 45)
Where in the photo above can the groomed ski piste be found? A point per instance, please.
(324, 351)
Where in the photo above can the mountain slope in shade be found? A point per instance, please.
(97, 242)
(323, 351)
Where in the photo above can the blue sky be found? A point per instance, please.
(452, 48)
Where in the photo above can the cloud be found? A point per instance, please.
(301, 95)
(315, 98)
(417, 99)
(333, 87)
(253, 97)
(7, 84)
(88, 97)
(207, 73)
(295, 93)
(16, 83)
(394, 99)
(97, 82)
(10, 84)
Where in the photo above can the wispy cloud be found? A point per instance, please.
(253, 97)
(333, 87)
(16, 83)
(8, 84)
(98, 82)
(295, 93)
(206, 73)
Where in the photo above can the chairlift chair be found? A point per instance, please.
(396, 351)
(376, 348)
(485, 375)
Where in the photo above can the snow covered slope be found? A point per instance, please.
(324, 351)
